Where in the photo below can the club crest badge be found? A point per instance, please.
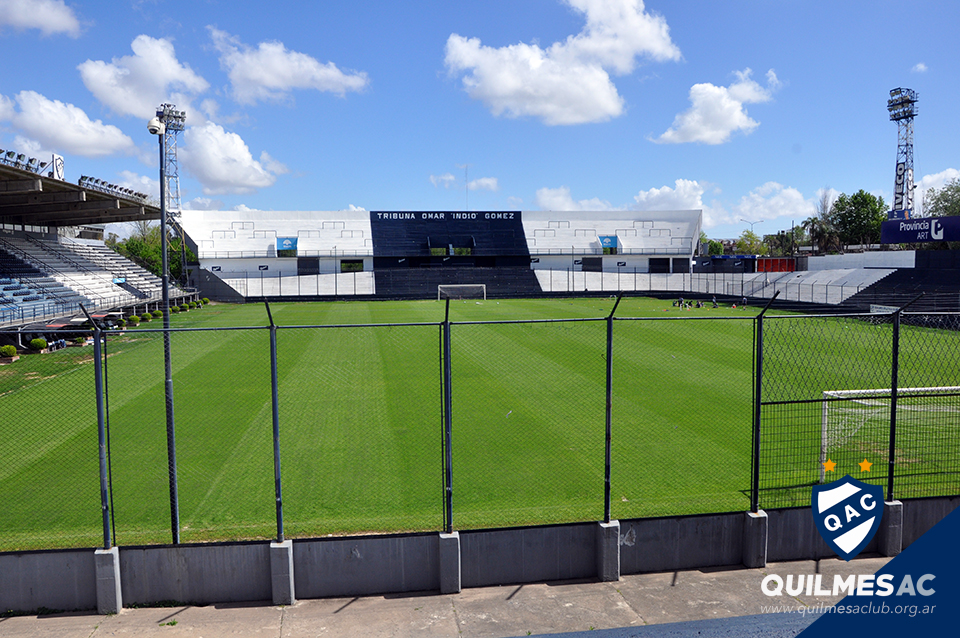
(847, 513)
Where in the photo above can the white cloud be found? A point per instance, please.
(773, 200)
(569, 81)
(445, 180)
(49, 16)
(136, 84)
(140, 183)
(62, 127)
(222, 162)
(357, 208)
(203, 203)
(270, 71)
(484, 183)
(716, 112)
(685, 195)
(560, 199)
(919, 67)
(514, 202)
(936, 180)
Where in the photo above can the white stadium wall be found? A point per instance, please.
(881, 259)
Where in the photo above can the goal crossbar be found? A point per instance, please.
(462, 291)
(839, 424)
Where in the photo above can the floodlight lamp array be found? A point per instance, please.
(21, 161)
(102, 186)
(902, 104)
(172, 118)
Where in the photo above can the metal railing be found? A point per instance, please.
(471, 424)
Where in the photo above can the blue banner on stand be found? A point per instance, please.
(911, 231)
(286, 243)
(608, 241)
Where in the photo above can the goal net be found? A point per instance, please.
(462, 291)
(847, 413)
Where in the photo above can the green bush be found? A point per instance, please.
(38, 344)
(80, 340)
(121, 323)
(157, 313)
(174, 309)
(192, 304)
(184, 307)
(146, 317)
(134, 320)
(8, 351)
(205, 301)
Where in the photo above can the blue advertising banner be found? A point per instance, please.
(909, 231)
(286, 243)
(608, 241)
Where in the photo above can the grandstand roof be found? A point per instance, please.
(36, 200)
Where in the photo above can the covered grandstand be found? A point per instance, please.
(411, 253)
(52, 257)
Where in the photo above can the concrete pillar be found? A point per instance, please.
(281, 573)
(755, 539)
(608, 551)
(450, 563)
(890, 534)
(107, 565)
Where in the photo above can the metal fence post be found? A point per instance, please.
(609, 410)
(447, 427)
(894, 381)
(101, 430)
(275, 387)
(757, 388)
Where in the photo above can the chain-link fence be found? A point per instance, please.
(873, 396)
(360, 429)
(681, 416)
(528, 422)
(314, 430)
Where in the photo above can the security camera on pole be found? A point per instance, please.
(168, 121)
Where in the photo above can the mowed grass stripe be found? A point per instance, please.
(528, 423)
(681, 417)
(360, 429)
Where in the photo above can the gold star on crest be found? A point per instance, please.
(829, 465)
(865, 466)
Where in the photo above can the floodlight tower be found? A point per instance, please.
(903, 108)
(174, 121)
(166, 125)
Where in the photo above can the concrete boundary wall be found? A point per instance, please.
(528, 554)
(367, 565)
(201, 574)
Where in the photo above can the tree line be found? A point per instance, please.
(143, 248)
(841, 223)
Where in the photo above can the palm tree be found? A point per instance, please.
(822, 233)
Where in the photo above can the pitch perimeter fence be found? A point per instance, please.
(305, 431)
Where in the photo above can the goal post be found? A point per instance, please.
(462, 291)
(845, 412)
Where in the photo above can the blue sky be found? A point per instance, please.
(746, 109)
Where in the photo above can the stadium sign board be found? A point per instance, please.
(286, 243)
(608, 241)
(910, 231)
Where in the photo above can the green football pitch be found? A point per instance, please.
(360, 421)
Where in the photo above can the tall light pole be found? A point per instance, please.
(902, 106)
(167, 120)
(752, 224)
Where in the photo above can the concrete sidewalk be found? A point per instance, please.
(517, 610)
